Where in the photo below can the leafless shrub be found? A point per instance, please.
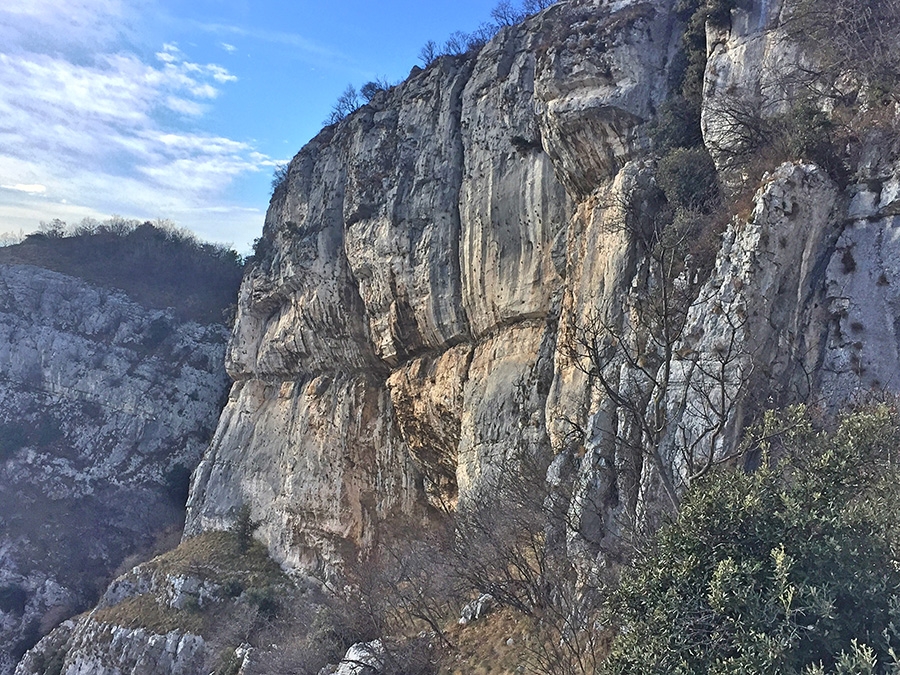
(429, 53)
(347, 103)
(856, 37)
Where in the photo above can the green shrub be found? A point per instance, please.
(263, 250)
(688, 179)
(807, 133)
(156, 333)
(677, 125)
(13, 437)
(697, 13)
(265, 600)
(243, 528)
(789, 569)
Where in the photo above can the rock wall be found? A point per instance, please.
(408, 304)
(105, 408)
(409, 335)
(433, 256)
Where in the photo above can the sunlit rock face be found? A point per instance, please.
(402, 341)
(395, 347)
(105, 408)
(407, 337)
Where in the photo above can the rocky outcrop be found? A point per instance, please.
(447, 243)
(408, 305)
(89, 648)
(461, 282)
(172, 614)
(105, 408)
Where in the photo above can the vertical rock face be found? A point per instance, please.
(406, 336)
(407, 305)
(320, 460)
(451, 239)
(105, 408)
(454, 284)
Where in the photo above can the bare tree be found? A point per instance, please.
(670, 407)
(856, 37)
(506, 14)
(347, 103)
(370, 89)
(429, 53)
(457, 44)
(279, 176)
(534, 6)
(479, 37)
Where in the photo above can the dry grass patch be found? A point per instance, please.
(494, 645)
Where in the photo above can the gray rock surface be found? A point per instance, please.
(403, 343)
(364, 658)
(104, 407)
(428, 228)
(91, 648)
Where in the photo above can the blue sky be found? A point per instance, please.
(181, 109)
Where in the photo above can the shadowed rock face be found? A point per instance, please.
(105, 408)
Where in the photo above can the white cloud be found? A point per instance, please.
(219, 74)
(185, 107)
(227, 47)
(93, 128)
(30, 189)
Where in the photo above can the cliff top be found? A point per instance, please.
(156, 266)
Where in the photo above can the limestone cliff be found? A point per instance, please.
(465, 277)
(402, 329)
(431, 256)
(105, 408)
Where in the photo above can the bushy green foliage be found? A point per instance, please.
(243, 528)
(229, 663)
(696, 14)
(263, 249)
(13, 437)
(789, 569)
(156, 264)
(688, 179)
(677, 125)
(807, 133)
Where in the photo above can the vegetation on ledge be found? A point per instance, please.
(156, 265)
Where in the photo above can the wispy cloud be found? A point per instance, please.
(30, 189)
(89, 126)
(300, 44)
